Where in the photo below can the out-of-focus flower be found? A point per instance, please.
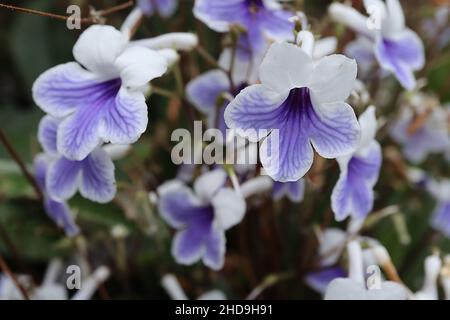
(353, 193)
(397, 48)
(206, 92)
(438, 27)
(431, 135)
(165, 8)
(429, 289)
(52, 287)
(201, 217)
(304, 103)
(103, 101)
(441, 216)
(58, 211)
(294, 190)
(445, 277)
(93, 176)
(176, 292)
(261, 19)
(354, 287)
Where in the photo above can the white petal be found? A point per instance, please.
(351, 18)
(229, 208)
(324, 47)
(139, 65)
(396, 19)
(333, 78)
(285, 67)
(368, 123)
(209, 183)
(98, 47)
(183, 41)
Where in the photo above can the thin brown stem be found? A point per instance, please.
(5, 268)
(208, 58)
(15, 156)
(87, 20)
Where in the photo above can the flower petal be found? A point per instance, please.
(40, 167)
(320, 280)
(395, 18)
(441, 218)
(277, 25)
(229, 208)
(204, 91)
(353, 194)
(125, 117)
(61, 214)
(335, 130)
(369, 126)
(255, 108)
(285, 67)
(401, 55)
(294, 190)
(188, 245)
(288, 155)
(47, 131)
(333, 78)
(177, 204)
(218, 14)
(78, 134)
(215, 248)
(166, 8)
(60, 90)
(97, 177)
(63, 179)
(208, 184)
(98, 47)
(139, 65)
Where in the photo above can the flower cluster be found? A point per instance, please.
(335, 145)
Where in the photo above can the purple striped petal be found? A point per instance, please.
(125, 117)
(47, 132)
(63, 179)
(63, 89)
(353, 193)
(60, 213)
(79, 133)
(97, 177)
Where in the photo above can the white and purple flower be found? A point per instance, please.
(58, 211)
(99, 98)
(93, 176)
(262, 19)
(165, 8)
(353, 193)
(397, 48)
(201, 217)
(432, 136)
(303, 101)
(354, 287)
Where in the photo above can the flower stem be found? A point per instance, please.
(92, 19)
(14, 155)
(5, 268)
